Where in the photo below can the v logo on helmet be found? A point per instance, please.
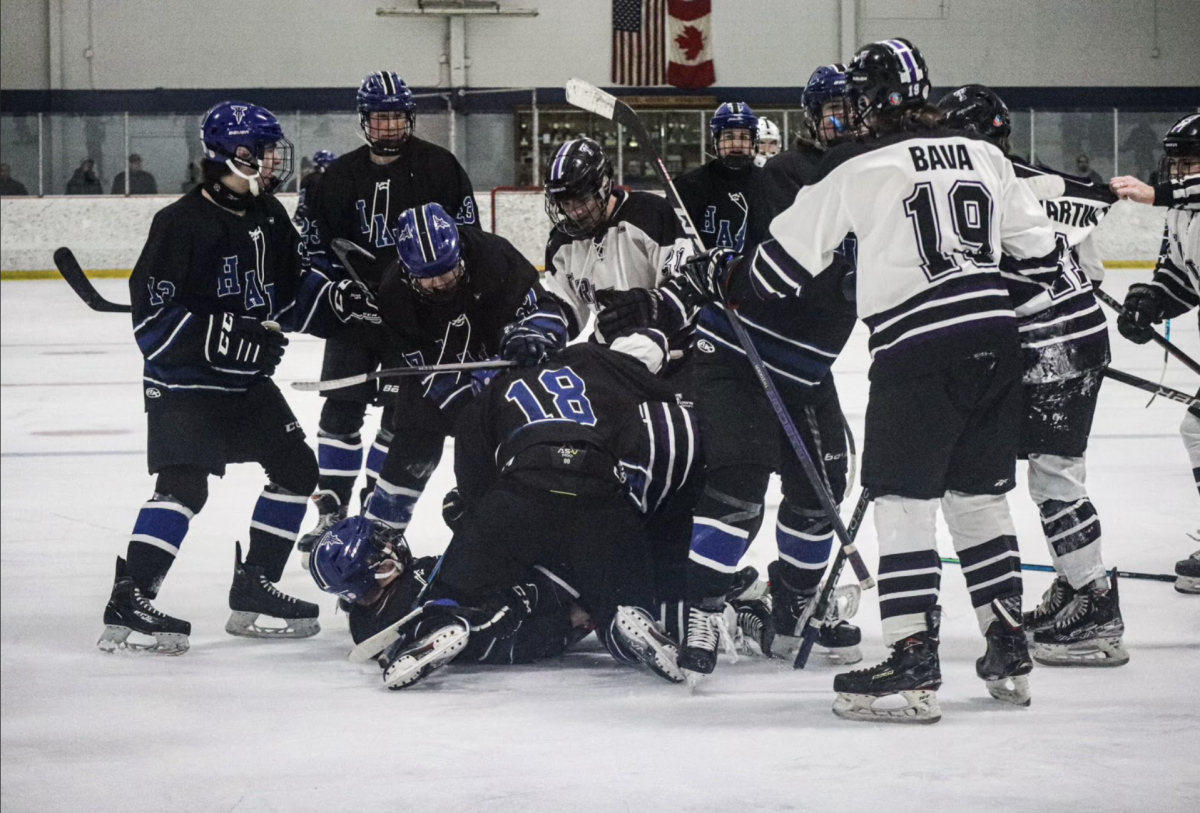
(239, 112)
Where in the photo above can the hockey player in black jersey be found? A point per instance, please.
(608, 249)
(459, 295)
(944, 412)
(1175, 288)
(359, 199)
(1064, 341)
(218, 278)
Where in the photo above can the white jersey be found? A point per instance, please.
(1178, 271)
(932, 213)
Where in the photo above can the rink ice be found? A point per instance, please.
(292, 726)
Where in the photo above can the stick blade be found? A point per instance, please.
(586, 96)
(68, 266)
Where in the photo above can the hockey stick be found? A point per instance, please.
(397, 372)
(591, 98)
(69, 267)
(1155, 336)
(374, 646)
(812, 629)
(1150, 386)
(1124, 574)
(343, 248)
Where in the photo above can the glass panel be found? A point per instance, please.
(310, 132)
(1076, 142)
(169, 149)
(19, 154)
(1021, 120)
(1140, 136)
(83, 153)
(487, 149)
(558, 125)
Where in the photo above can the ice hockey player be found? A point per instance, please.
(359, 198)
(944, 411)
(321, 160)
(219, 275)
(608, 249)
(770, 143)
(1175, 288)
(722, 197)
(1065, 345)
(460, 295)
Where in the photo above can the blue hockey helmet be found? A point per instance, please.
(384, 92)
(428, 244)
(248, 139)
(350, 557)
(323, 158)
(734, 116)
(826, 104)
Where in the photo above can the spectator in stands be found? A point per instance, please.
(1083, 168)
(84, 181)
(141, 182)
(9, 186)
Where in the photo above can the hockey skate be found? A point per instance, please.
(640, 635)
(252, 595)
(1187, 573)
(838, 639)
(434, 642)
(707, 631)
(1005, 665)
(129, 611)
(1057, 595)
(912, 674)
(331, 512)
(1087, 632)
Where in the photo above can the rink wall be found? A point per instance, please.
(106, 234)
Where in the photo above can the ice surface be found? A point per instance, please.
(292, 726)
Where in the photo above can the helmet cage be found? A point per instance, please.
(733, 116)
(386, 112)
(1181, 150)
(579, 184)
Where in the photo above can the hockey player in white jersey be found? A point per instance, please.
(1175, 289)
(770, 142)
(1064, 342)
(932, 211)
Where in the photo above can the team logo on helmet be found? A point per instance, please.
(894, 98)
(239, 112)
(406, 234)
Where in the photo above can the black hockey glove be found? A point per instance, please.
(503, 615)
(626, 311)
(242, 344)
(352, 302)
(453, 509)
(528, 346)
(706, 276)
(1143, 308)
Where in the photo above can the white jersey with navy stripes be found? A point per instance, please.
(932, 212)
(1177, 274)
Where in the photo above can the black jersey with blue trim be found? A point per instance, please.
(724, 204)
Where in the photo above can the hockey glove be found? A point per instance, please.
(242, 345)
(352, 302)
(1143, 308)
(528, 346)
(453, 509)
(706, 276)
(626, 311)
(503, 615)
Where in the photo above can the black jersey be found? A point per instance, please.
(359, 200)
(724, 204)
(784, 174)
(500, 287)
(589, 414)
(398, 599)
(201, 260)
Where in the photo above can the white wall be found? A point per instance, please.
(317, 43)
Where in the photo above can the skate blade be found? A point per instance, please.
(426, 657)
(1187, 585)
(921, 708)
(693, 679)
(658, 655)
(1013, 690)
(1098, 652)
(242, 624)
(116, 639)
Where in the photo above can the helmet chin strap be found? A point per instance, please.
(230, 198)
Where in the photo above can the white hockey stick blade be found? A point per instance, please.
(331, 384)
(377, 643)
(587, 96)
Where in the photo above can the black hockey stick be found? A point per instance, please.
(1124, 574)
(397, 372)
(69, 267)
(812, 629)
(591, 98)
(1150, 386)
(1155, 336)
(343, 248)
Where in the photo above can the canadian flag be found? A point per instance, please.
(689, 35)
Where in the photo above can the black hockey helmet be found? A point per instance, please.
(1181, 149)
(888, 76)
(578, 185)
(977, 109)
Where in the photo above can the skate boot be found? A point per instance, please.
(912, 673)
(1005, 664)
(129, 611)
(1057, 595)
(638, 633)
(252, 595)
(435, 641)
(331, 512)
(1087, 632)
(1187, 574)
(838, 639)
(706, 630)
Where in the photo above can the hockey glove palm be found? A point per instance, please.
(626, 311)
(242, 345)
(352, 302)
(528, 346)
(705, 277)
(1143, 308)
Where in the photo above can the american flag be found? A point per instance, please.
(639, 48)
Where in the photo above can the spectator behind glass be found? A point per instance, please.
(1083, 168)
(84, 181)
(10, 187)
(141, 182)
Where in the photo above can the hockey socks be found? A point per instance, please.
(805, 538)
(340, 458)
(910, 571)
(392, 505)
(273, 529)
(1073, 533)
(157, 534)
(375, 459)
(986, 542)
